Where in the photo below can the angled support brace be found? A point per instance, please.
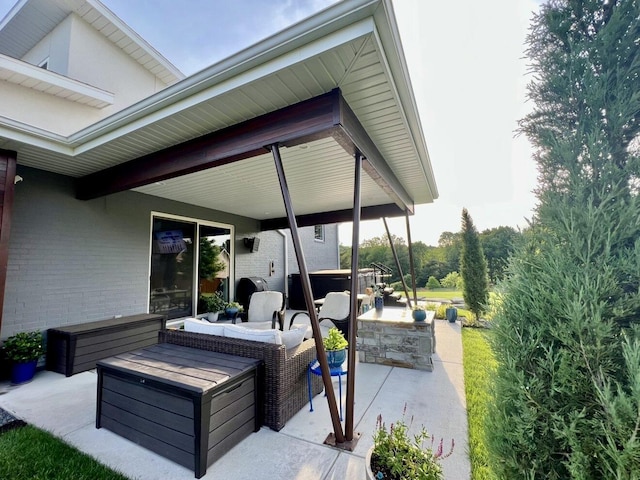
(306, 289)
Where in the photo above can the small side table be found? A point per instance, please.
(314, 367)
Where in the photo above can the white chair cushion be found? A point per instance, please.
(336, 305)
(202, 326)
(244, 333)
(294, 337)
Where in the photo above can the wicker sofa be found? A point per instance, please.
(284, 386)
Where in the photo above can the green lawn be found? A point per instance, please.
(478, 363)
(446, 293)
(30, 453)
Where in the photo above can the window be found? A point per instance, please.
(318, 233)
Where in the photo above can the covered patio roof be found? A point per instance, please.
(325, 89)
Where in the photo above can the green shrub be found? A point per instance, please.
(452, 280)
(566, 335)
(433, 283)
(441, 312)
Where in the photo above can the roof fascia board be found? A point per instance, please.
(29, 135)
(388, 39)
(55, 80)
(208, 84)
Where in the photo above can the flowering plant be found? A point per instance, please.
(397, 456)
(418, 307)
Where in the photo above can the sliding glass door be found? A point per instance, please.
(214, 264)
(190, 259)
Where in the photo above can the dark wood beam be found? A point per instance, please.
(7, 179)
(305, 121)
(355, 138)
(339, 216)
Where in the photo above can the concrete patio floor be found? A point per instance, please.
(66, 408)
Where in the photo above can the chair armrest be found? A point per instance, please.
(294, 317)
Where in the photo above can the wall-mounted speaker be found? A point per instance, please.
(252, 243)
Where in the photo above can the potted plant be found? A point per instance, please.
(395, 455)
(419, 313)
(23, 351)
(214, 304)
(231, 309)
(335, 345)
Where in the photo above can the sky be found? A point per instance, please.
(468, 72)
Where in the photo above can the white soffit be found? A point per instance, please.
(36, 78)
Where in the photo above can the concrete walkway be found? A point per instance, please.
(66, 407)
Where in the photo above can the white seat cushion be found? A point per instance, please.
(244, 333)
(256, 325)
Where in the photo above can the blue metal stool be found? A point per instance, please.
(314, 367)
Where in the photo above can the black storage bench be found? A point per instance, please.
(186, 404)
(75, 348)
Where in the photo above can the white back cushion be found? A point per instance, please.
(262, 305)
(202, 326)
(292, 338)
(244, 333)
(336, 305)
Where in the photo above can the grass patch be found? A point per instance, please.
(446, 293)
(479, 364)
(28, 452)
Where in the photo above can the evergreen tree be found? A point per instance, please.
(567, 386)
(473, 268)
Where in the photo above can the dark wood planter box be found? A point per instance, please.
(188, 405)
(75, 348)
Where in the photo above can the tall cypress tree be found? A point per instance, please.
(567, 387)
(473, 268)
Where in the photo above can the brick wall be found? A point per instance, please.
(73, 261)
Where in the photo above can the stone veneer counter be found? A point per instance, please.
(391, 337)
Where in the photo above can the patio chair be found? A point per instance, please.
(336, 308)
(265, 309)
